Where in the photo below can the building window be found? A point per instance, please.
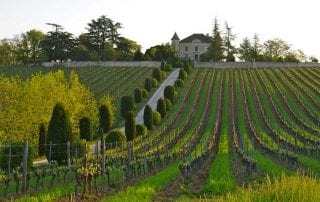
(186, 48)
(196, 48)
(186, 56)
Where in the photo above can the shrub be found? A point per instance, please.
(168, 104)
(163, 74)
(179, 64)
(157, 74)
(169, 93)
(59, 133)
(116, 135)
(168, 67)
(182, 75)
(161, 107)
(148, 84)
(127, 105)
(17, 149)
(154, 83)
(130, 126)
(42, 139)
(105, 117)
(187, 69)
(137, 95)
(145, 93)
(141, 130)
(147, 117)
(86, 129)
(156, 118)
(179, 83)
(78, 148)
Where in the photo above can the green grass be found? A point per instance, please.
(145, 189)
(221, 179)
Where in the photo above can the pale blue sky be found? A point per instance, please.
(151, 22)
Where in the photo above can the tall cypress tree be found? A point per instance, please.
(86, 129)
(59, 133)
(161, 107)
(216, 47)
(130, 126)
(147, 117)
(105, 118)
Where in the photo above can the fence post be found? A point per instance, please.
(103, 166)
(68, 156)
(25, 166)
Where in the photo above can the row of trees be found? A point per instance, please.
(101, 41)
(222, 48)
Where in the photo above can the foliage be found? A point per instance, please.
(86, 129)
(116, 135)
(147, 117)
(182, 75)
(130, 126)
(163, 74)
(162, 52)
(168, 104)
(148, 84)
(42, 139)
(138, 55)
(162, 66)
(59, 133)
(169, 93)
(167, 67)
(137, 95)
(161, 107)
(187, 68)
(179, 83)
(141, 130)
(154, 83)
(157, 74)
(127, 106)
(145, 93)
(106, 117)
(156, 118)
(229, 38)
(215, 50)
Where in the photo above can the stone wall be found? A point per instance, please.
(254, 64)
(105, 64)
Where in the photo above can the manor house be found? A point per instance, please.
(191, 47)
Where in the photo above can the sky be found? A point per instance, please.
(152, 22)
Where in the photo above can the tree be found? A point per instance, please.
(105, 117)
(126, 48)
(113, 32)
(130, 126)
(169, 92)
(148, 84)
(58, 45)
(59, 133)
(162, 52)
(313, 59)
(86, 129)
(256, 49)
(42, 139)
(161, 107)
(147, 117)
(127, 106)
(157, 74)
(137, 95)
(228, 40)
(7, 54)
(215, 50)
(138, 56)
(276, 49)
(246, 50)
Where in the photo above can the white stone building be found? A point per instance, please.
(191, 47)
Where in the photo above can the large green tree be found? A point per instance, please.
(245, 50)
(7, 54)
(215, 50)
(229, 38)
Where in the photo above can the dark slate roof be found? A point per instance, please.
(175, 37)
(203, 38)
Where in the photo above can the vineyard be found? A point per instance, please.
(230, 135)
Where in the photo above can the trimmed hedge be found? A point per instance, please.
(130, 126)
(179, 83)
(116, 135)
(145, 93)
(154, 83)
(157, 74)
(127, 105)
(86, 129)
(169, 93)
(163, 74)
(148, 84)
(105, 117)
(147, 117)
(156, 118)
(161, 107)
(168, 67)
(183, 75)
(141, 130)
(187, 69)
(168, 104)
(163, 63)
(42, 139)
(137, 95)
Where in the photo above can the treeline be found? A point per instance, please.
(223, 48)
(101, 42)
